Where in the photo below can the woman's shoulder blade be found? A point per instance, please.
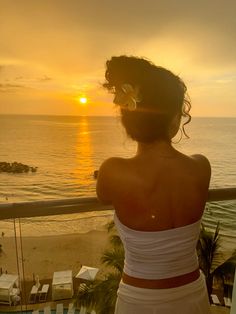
(111, 164)
(203, 166)
(107, 178)
(201, 160)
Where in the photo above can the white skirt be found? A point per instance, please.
(191, 298)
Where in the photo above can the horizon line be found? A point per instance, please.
(97, 116)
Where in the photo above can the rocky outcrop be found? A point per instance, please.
(16, 167)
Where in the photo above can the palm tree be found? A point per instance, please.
(212, 261)
(208, 249)
(226, 272)
(101, 294)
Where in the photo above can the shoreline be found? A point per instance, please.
(44, 255)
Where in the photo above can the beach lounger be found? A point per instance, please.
(15, 296)
(62, 285)
(43, 293)
(59, 308)
(33, 294)
(228, 302)
(47, 310)
(71, 308)
(215, 299)
(83, 310)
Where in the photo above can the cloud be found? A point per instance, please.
(22, 75)
(11, 85)
(19, 78)
(77, 36)
(9, 88)
(45, 78)
(71, 40)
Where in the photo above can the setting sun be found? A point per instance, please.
(83, 100)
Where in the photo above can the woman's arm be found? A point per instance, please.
(105, 181)
(204, 169)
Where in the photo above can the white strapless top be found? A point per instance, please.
(159, 254)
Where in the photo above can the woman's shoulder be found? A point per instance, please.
(201, 161)
(111, 164)
(108, 177)
(197, 166)
(198, 162)
(203, 167)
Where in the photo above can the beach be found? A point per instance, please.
(44, 255)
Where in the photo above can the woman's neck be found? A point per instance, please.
(161, 148)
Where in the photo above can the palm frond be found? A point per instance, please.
(225, 264)
(108, 293)
(212, 260)
(100, 294)
(87, 295)
(115, 240)
(110, 226)
(208, 249)
(114, 258)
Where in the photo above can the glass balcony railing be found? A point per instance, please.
(44, 244)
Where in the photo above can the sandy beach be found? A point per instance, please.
(44, 255)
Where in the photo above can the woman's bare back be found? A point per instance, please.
(152, 192)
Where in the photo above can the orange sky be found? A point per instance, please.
(53, 52)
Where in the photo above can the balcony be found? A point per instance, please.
(44, 238)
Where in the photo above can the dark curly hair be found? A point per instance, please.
(163, 97)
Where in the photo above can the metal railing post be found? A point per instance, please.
(233, 306)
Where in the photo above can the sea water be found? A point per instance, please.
(68, 149)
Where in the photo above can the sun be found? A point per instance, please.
(83, 100)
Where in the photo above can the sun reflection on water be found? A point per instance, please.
(84, 154)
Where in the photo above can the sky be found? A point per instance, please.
(52, 52)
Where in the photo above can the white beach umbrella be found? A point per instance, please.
(86, 272)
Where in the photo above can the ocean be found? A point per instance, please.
(68, 149)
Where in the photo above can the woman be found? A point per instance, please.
(158, 195)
